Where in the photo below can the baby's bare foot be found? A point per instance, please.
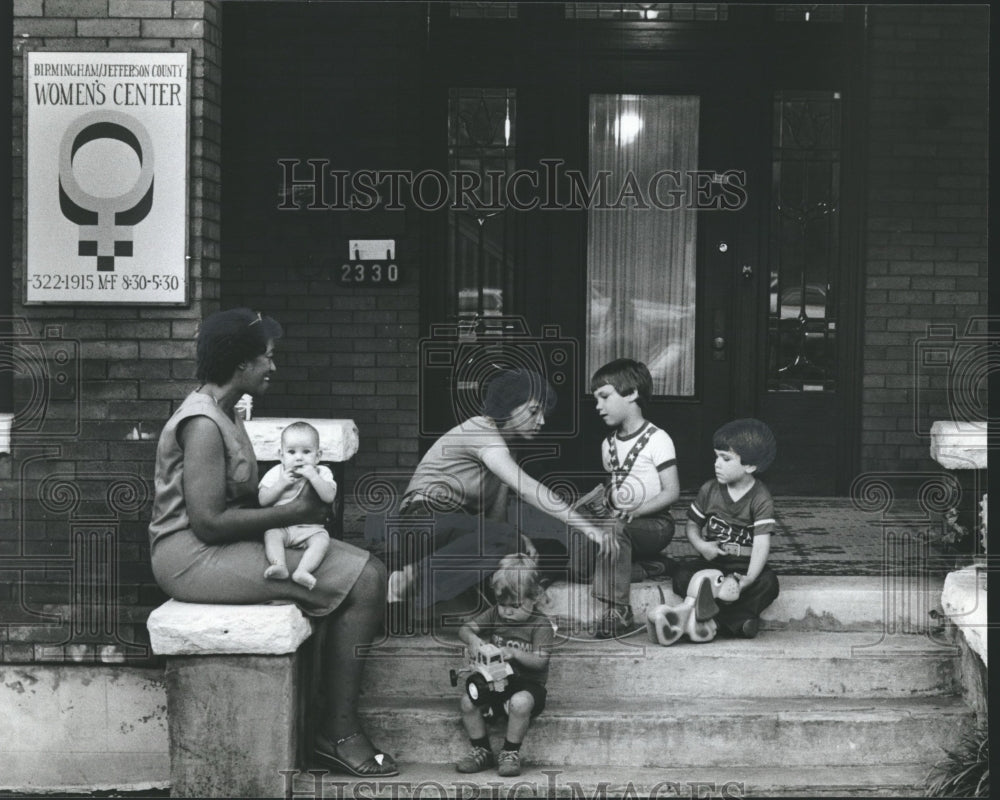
(304, 578)
(276, 572)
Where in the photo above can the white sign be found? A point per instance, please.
(106, 177)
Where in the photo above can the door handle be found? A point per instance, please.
(719, 335)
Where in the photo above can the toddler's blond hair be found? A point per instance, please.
(516, 580)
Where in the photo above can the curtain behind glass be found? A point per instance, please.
(641, 261)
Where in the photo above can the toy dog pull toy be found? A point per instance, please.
(485, 673)
(695, 616)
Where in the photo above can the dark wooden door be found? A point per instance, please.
(770, 263)
(718, 337)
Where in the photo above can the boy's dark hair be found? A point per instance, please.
(228, 338)
(512, 388)
(626, 375)
(750, 439)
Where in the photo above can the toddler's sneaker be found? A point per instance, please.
(510, 763)
(617, 621)
(476, 760)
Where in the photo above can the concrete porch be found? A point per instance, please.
(850, 641)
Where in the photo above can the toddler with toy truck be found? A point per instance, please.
(524, 637)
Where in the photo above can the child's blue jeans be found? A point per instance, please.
(637, 540)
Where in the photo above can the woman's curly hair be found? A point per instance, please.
(228, 338)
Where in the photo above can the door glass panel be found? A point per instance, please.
(641, 236)
(481, 142)
(804, 241)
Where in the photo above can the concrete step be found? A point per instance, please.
(605, 783)
(775, 664)
(881, 603)
(705, 732)
(893, 603)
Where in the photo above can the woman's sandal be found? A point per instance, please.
(377, 765)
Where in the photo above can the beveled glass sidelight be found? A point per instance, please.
(481, 142)
(804, 248)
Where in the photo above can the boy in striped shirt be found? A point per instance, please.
(730, 524)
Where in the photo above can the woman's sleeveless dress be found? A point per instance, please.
(192, 571)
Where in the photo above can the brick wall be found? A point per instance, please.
(75, 571)
(927, 223)
(925, 262)
(73, 512)
(351, 94)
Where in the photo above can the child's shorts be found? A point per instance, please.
(298, 536)
(498, 703)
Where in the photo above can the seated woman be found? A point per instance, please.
(463, 483)
(207, 531)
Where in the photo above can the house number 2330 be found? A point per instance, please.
(368, 273)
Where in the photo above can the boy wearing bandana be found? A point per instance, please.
(643, 483)
(730, 524)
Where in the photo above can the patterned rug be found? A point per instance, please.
(822, 536)
(833, 536)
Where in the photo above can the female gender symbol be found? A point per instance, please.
(105, 222)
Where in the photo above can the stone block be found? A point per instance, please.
(963, 599)
(338, 438)
(959, 445)
(177, 628)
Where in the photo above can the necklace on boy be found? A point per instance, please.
(620, 471)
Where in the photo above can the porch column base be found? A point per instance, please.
(236, 686)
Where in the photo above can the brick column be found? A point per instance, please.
(926, 259)
(131, 365)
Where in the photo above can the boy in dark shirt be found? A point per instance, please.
(730, 524)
